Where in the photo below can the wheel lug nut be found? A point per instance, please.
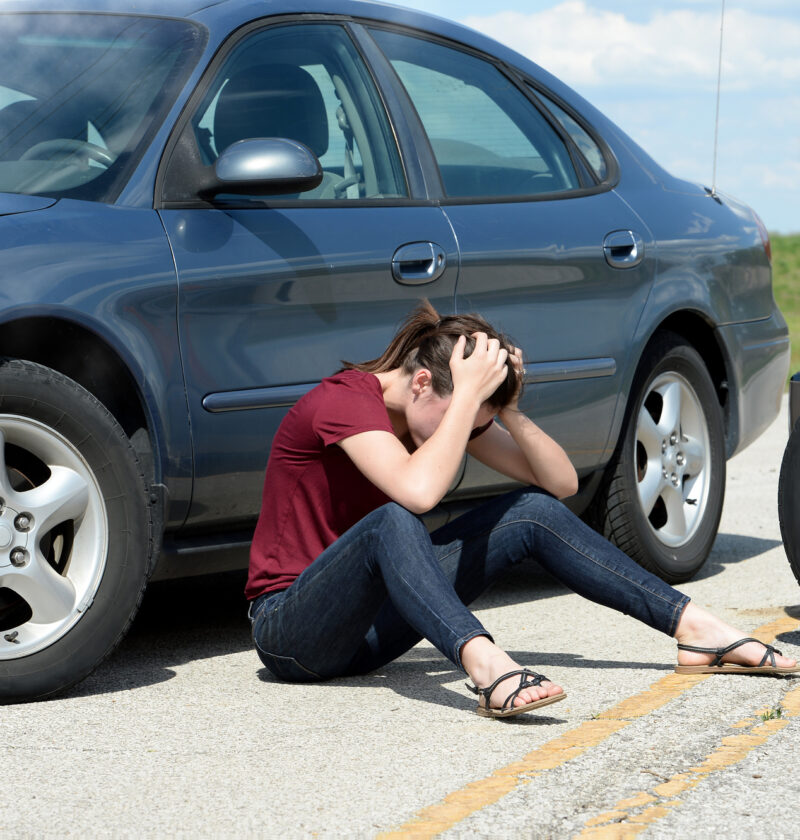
(663, 446)
(680, 460)
(19, 557)
(23, 522)
(673, 439)
(674, 479)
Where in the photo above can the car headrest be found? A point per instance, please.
(272, 100)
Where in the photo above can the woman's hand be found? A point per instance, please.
(482, 372)
(519, 369)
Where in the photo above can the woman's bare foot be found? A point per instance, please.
(485, 662)
(699, 628)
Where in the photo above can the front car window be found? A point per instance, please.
(489, 139)
(304, 82)
(81, 94)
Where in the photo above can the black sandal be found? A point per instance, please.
(527, 679)
(720, 667)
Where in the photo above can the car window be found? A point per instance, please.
(306, 83)
(580, 136)
(487, 136)
(81, 94)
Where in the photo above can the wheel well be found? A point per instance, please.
(81, 355)
(699, 333)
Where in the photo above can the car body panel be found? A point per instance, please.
(111, 269)
(277, 297)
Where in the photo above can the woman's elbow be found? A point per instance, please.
(567, 487)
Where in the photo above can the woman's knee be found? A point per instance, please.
(392, 517)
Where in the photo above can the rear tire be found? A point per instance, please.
(75, 532)
(662, 498)
(789, 500)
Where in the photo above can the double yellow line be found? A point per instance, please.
(629, 816)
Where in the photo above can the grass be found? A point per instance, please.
(786, 286)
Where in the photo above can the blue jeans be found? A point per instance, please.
(386, 583)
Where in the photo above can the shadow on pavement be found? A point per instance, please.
(200, 618)
(733, 548)
(179, 621)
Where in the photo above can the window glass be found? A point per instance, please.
(581, 137)
(307, 83)
(80, 95)
(488, 138)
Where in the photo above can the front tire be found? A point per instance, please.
(75, 532)
(662, 501)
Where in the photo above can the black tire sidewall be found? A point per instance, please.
(789, 500)
(672, 354)
(32, 391)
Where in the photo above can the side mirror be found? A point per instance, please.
(270, 166)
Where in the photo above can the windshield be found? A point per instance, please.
(80, 96)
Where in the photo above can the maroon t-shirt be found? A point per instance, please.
(312, 490)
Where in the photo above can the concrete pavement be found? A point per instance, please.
(182, 732)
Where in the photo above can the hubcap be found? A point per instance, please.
(672, 459)
(53, 536)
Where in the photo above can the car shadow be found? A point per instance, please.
(199, 618)
(193, 619)
(733, 548)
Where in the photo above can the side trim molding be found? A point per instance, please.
(285, 396)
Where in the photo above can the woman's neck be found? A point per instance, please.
(395, 388)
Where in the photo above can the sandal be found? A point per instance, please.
(720, 667)
(527, 679)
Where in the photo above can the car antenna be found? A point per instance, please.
(713, 192)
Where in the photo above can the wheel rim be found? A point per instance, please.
(53, 536)
(673, 463)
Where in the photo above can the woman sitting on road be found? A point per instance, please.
(344, 577)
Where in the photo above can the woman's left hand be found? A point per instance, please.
(519, 370)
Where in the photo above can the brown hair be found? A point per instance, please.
(426, 340)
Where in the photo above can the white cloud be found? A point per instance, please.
(587, 46)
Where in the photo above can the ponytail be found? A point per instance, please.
(426, 340)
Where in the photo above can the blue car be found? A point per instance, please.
(205, 206)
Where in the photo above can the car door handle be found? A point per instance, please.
(623, 249)
(418, 262)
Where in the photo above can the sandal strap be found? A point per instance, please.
(719, 653)
(527, 679)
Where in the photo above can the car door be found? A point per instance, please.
(275, 291)
(549, 253)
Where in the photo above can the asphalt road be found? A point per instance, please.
(183, 733)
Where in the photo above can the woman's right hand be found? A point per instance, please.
(482, 372)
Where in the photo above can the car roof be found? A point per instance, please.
(223, 16)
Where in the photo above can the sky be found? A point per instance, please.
(652, 65)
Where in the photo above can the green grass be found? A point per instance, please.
(786, 285)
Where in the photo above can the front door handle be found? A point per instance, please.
(418, 262)
(623, 249)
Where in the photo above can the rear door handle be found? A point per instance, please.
(418, 262)
(623, 249)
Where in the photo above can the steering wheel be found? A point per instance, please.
(70, 148)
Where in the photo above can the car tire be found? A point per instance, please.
(789, 500)
(75, 532)
(662, 498)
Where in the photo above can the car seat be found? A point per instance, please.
(275, 100)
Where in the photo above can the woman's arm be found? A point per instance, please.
(524, 452)
(418, 480)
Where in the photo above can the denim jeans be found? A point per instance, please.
(386, 583)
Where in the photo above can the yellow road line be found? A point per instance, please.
(661, 800)
(477, 795)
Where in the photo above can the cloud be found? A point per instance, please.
(588, 47)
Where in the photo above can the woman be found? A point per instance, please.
(344, 577)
